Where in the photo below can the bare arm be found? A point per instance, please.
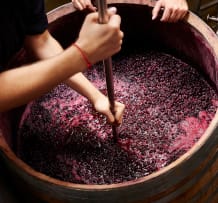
(25, 83)
(100, 102)
(45, 46)
(20, 85)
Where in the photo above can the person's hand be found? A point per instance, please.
(83, 4)
(100, 41)
(173, 10)
(102, 105)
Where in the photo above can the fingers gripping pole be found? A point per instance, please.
(103, 18)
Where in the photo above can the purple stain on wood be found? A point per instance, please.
(169, 105)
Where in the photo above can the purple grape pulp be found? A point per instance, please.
(169, 105)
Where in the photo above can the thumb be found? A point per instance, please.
(110, 117)
(114, 20)
(111, 11)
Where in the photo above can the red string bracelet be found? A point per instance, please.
(83, 55)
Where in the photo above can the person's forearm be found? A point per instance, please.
(82, 85)
(42, 46)
(23, 84)
(50, 47)
(20, 85)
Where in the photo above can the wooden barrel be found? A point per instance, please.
(191, 178)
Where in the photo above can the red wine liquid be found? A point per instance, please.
(169, 105)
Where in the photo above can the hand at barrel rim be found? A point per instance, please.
(173, 10)
(84, 4)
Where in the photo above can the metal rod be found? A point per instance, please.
(102, 11)
(103, 18)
